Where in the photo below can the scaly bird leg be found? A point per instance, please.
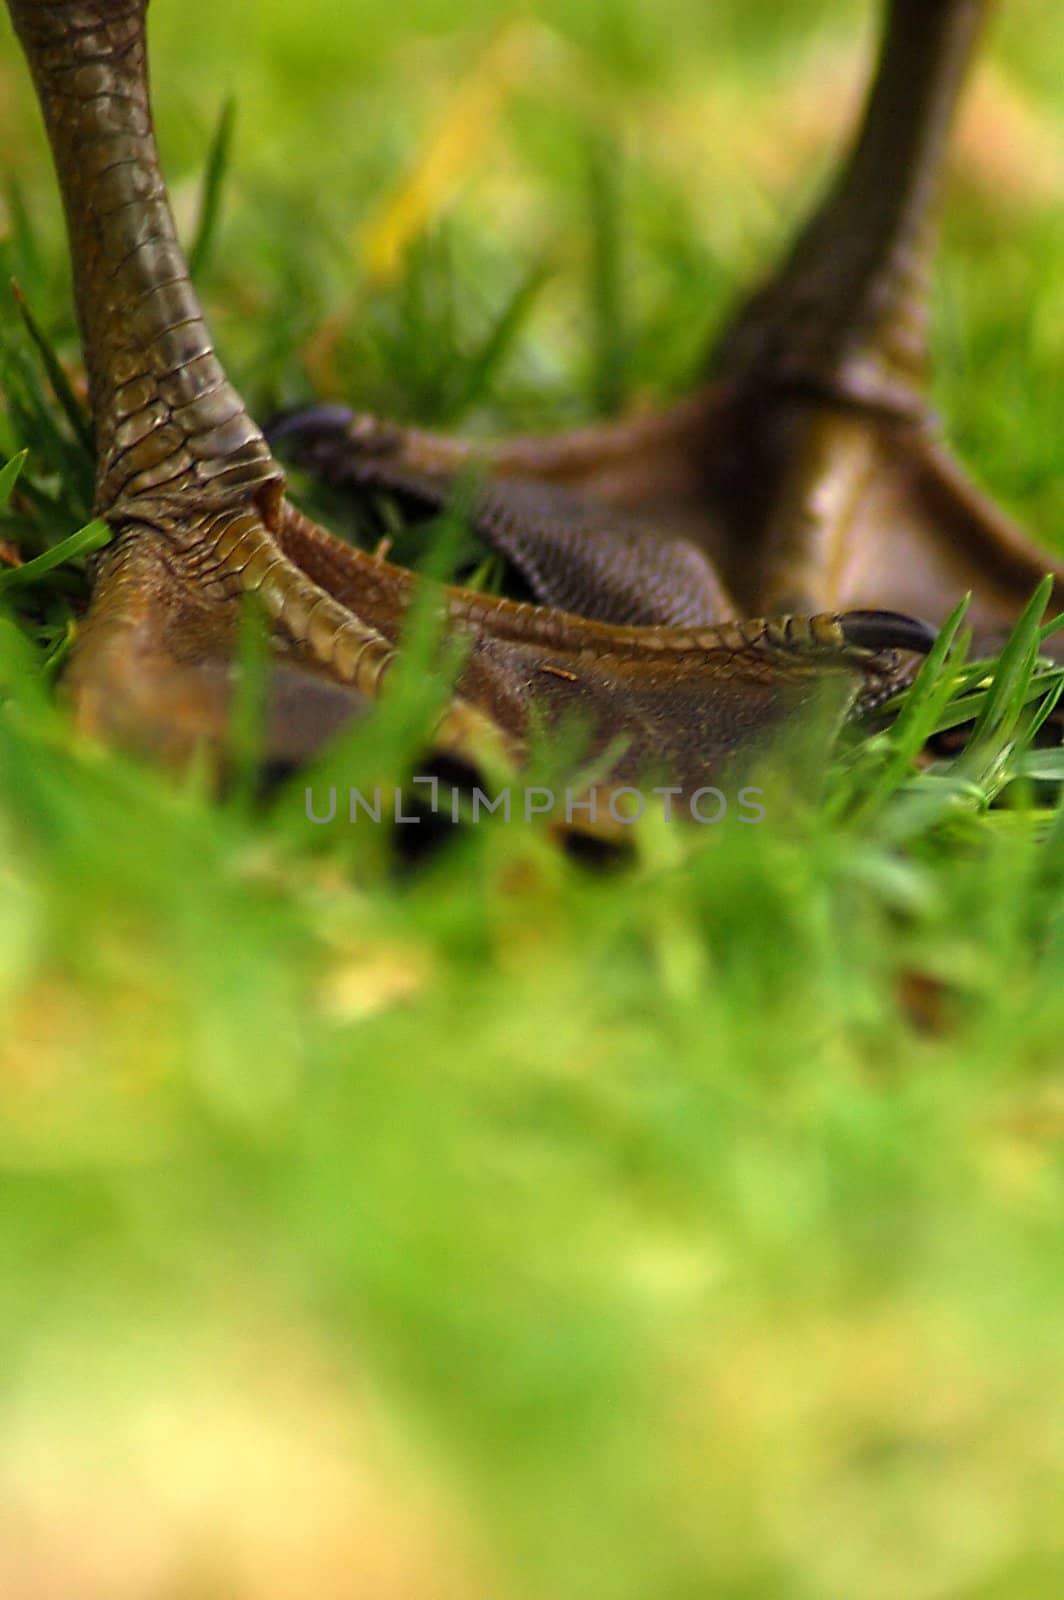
(809, 469)
(196, 501)
(831, 359)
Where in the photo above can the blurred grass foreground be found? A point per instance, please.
(502, 1229)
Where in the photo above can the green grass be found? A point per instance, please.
(500, 1227)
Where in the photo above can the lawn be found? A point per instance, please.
(501, 1226)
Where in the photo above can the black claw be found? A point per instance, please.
(300, 421)
(887, 630)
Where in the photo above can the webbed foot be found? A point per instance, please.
(637, 636)
(808, 473)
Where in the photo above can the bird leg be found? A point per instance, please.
(196, 501)
(809, 468)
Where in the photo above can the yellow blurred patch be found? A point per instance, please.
(369, 978)
(467, 123)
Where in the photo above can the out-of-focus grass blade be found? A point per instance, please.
(485, 362)
(214, 176)
(487, 576)
(931, 801)
(52, 447)
(9, 475)
(378, 748)
(70, 405)
(20, 252)
(57, 652)
(1046, 766)
(606, 278)
(20, 682)
(33, 418)
(82, 543)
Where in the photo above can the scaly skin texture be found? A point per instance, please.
(183, 474)
(790, 453)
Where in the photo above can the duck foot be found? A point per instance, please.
(808, 471)
(776, 492)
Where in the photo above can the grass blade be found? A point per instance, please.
(9, 475)
(932, 686)
(918, 719)
(69, 403)
(1050, 628)
(999, 719)
(485, 362)
(214, 175)
(1043, 765)
(92, 537)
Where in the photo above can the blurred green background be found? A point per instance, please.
(501, 1230)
